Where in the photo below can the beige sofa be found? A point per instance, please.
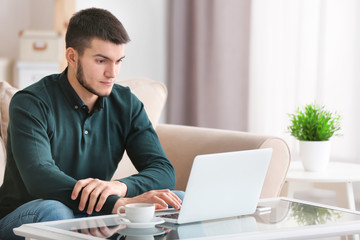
(181, 143)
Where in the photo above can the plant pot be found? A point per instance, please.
(315, 155)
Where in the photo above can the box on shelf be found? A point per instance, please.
(27, 73)
(41, 45)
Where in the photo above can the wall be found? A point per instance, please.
(145, 21)
(17, 15)
(146, 24)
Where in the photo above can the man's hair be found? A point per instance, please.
(92, 23)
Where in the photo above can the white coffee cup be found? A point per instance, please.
(138, 212)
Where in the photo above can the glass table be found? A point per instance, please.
(287, 219)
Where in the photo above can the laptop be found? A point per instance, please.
(222, 185)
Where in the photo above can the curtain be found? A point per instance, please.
(208, 63)
(305, 51)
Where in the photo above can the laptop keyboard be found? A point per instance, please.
(167, 213)
(171, 216)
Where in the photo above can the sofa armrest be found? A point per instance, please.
(183, 143)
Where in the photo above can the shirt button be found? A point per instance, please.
(86, 132)
(76, 106)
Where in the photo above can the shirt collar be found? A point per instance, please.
(73, 98)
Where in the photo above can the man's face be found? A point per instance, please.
(99, 66)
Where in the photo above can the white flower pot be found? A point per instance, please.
(315, 155)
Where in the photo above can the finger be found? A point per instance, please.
(159, 202)
(160, 207)
(170, 198)
(174, 202)
(97, 190)
(99, 195)
(100, 190)
(174, 199)
(87, 190)
(93, 198)
(78, 186)
(171, 194)
(178, 199)
(149, 197)
(104, 195)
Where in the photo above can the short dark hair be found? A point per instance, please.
(94, 23)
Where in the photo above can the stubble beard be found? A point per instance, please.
(81, 79)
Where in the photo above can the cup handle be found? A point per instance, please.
(119, 213)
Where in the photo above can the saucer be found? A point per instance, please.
(141, 232)
(152, 223)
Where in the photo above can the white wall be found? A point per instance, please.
(146, 23)
(15, 16)
(18, 15)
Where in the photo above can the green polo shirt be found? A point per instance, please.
(53, 141)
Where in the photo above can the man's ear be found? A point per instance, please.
(72, 56)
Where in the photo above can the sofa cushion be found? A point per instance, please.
(153, 94)
(2, 160)
(6, 93)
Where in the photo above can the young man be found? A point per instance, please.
(68, 132)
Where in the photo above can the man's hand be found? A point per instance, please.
(161, 199)
(94, 189)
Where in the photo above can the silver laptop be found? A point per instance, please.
(222, 185)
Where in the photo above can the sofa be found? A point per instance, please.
(181, 143)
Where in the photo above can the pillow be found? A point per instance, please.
(153, 94)
(2, 161)
(6, 93)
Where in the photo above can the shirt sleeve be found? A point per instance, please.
(31, 150)
(145, 152)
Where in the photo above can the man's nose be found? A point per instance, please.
(112, 71)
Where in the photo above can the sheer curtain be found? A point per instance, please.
(246, 65)
(305, 51)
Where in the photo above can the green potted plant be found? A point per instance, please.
(313, 126)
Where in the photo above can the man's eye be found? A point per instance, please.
(100, 61)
